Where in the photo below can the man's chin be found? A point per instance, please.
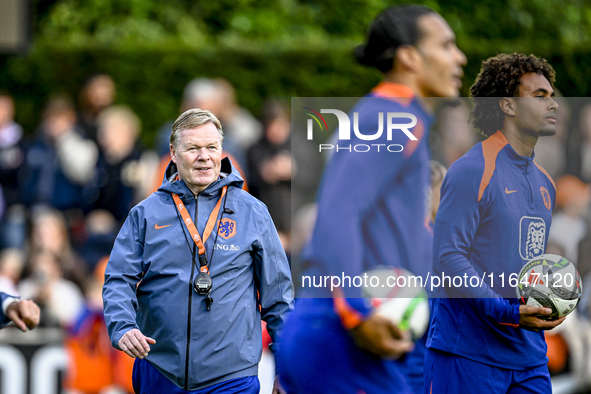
(547, 132)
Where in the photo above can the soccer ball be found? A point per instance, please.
(550, 281)
(400, 297)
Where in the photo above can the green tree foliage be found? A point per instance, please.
(265, 48)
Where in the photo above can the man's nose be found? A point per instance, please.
(203, 154)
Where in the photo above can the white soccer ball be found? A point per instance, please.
(550, 281)
(400, 297)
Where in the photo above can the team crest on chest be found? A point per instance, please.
(546, 197)
(227, 228)
(532, 237)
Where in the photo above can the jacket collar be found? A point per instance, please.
(516, 157)
(229, 175)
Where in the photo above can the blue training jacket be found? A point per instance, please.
(495, 215)
(196, 348)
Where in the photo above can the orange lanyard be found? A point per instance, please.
(191, 226)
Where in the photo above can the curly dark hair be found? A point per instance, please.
(499, 77)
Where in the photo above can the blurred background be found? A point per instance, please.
(88, 93)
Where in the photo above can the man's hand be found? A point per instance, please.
(24, 314)
(277, 388)
(381, 337)
(135, 344)
(529, 318)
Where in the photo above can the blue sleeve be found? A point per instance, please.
(458, 218)
(272, 276)
(122, 274)
(3, 319)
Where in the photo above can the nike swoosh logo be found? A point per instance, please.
(157, 227)
(507, 191)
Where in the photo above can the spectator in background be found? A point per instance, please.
(11, 267)
(60, 162)
(270, 166)
(60, 300)
(100, 231)
(241, 129)
(12, 157)
(455, 136)
(49, 234)
(568, 225)
(579, 149)
(239, 125)
(12, 154)
(584, 247)
(94, 367)
(124, 169)
(97, 94)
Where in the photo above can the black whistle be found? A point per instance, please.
(208, 302)
(228, 210)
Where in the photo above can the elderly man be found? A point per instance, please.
(192, 271)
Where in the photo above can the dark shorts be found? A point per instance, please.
(148, 380)
(317, 356)
(449, 373)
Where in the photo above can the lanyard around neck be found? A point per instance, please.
(191, 226)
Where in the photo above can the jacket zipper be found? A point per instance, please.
(190, 305)
(531, 193)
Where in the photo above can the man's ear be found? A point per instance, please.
(507, 105)
(172, 154)
(408, 57)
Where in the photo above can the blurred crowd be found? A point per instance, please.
(67, 187)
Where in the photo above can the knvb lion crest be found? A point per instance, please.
(227, 228)
(532, 237)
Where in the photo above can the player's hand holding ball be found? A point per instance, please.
(549, 288)
(380, 336)
(536, 318)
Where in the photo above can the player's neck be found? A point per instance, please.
(409, 81)
(402, 78)
(522, 143)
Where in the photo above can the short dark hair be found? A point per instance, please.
(392, 28)
(500, 77)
